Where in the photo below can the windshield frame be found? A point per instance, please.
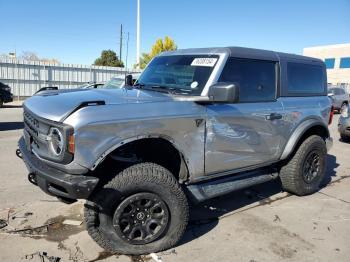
(213, 76)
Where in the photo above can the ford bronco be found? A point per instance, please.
(197, 124)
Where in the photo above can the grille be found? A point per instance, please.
(36, 135)
(31, 124)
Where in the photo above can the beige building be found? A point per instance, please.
(337, 59)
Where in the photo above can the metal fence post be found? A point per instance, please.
(17, 76)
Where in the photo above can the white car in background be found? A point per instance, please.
(119, 81)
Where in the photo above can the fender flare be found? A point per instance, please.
(299, 131)
(184, 166)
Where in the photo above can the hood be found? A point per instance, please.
(57, 105)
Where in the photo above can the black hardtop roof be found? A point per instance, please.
(244, 52)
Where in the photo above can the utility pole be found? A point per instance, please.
(138, 36)
(127, 52)
(121, 42)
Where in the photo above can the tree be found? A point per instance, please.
(159, 46)
(108, 58)
(32, 56)
(29, 56)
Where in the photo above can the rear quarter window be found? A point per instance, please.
(305, 79)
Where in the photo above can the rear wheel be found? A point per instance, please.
(304, 172)
(141, 210)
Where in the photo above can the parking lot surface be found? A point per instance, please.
(261, 223)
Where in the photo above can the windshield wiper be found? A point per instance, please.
(173, 90)
(139, 85)
(159, 88)
(164, 88)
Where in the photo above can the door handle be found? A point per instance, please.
(273, 116)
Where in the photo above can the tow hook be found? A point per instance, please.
(32, 179)
(19, 153)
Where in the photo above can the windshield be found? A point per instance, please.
(114, 83)
(183, 74)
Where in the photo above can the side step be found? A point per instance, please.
(222, 186)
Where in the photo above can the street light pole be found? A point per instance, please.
(138, 36)
(121, 43)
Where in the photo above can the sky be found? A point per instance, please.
(76, 31)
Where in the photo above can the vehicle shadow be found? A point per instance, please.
(7, 126)
(205, 216)
(344, 141)
(331, 167)
(11, 106)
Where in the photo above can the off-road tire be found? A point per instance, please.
(144, 177)
(291, 174)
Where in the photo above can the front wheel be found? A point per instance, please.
(141, 210)
(304, 172)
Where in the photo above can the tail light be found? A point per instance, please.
(331, 114)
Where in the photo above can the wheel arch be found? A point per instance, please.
(184, 168)
(304, 130)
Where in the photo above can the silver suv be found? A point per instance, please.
(198, 123)
(340, 98)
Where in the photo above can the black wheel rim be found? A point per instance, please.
(141, 218)
(311, 166)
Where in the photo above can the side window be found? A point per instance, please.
(305, 79)
(256, 78)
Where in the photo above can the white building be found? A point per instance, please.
(337, 60)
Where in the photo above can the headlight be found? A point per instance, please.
(56, 141)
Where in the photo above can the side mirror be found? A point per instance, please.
(128, 80)
(224, 92)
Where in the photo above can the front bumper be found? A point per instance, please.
(53, 181)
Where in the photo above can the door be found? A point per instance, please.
(248, 133)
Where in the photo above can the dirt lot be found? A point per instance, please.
(259, 224)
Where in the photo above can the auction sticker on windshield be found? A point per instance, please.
(204, 61)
